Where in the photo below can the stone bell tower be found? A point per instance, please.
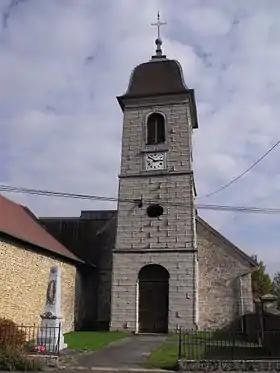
(154, 282)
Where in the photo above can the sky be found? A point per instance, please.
(63, 62)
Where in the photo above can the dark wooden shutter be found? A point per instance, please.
(155, 129)
(151, 130)
(160, 129)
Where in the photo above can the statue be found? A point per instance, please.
(50, 334)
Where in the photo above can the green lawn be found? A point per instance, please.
(200, 346)
(165, 357)
(92, 340)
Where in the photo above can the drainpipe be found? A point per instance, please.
(195, 258)
(241, 296)
(196, 299)
(241, 303)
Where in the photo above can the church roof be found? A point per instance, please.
(89, 236)
(19, 222)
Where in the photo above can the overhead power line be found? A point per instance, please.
(8, 188)
(244, 209)
(248, 209)
(242, 174)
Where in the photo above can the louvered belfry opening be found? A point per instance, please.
(155, 129)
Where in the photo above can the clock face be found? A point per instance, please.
(154, 161)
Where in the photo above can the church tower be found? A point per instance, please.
(154, 281)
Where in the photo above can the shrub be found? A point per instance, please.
(11, 335)
(12, 358)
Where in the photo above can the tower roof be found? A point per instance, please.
(157, 77)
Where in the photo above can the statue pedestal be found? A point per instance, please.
(50, 334)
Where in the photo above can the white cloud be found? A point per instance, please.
(63, 63)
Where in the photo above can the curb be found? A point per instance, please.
(109, 369)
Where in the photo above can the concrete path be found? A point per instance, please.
(129, 352)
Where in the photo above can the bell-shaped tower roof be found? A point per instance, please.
(160, 76)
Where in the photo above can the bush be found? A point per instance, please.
(11, 335)
(12, 358)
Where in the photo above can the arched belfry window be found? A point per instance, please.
(155, 129)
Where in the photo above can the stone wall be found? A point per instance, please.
(24, 277)
(180, 266)
(219, 289)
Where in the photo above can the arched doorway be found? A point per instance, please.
(153, 299)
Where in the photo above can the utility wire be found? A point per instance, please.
(242, 174)
(244, 209)
(249, 209)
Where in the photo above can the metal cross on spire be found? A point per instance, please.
(158, 40)
(158, 24)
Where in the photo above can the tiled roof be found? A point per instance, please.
(19, 222)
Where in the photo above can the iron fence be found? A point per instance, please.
(32, 339)
(198, 345)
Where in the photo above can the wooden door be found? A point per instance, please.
(153, 299)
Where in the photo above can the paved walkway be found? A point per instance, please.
(129, 352)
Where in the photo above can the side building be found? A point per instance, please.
(27, 251)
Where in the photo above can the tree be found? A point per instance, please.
(276, 287)
(261, 281)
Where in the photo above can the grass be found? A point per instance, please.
(219, 345)
(88, 341)
(202, 345)
(165, 357)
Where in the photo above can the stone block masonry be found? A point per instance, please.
(124, 300)
(167, 241)
(23, 281)
(178, 140)
(223, 277)
(174, 229)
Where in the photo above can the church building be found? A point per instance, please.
(158, 265)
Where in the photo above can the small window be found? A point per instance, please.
(155, 129)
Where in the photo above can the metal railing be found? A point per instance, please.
(32, 339)
(198, 345)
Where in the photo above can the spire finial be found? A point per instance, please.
(158, 39)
